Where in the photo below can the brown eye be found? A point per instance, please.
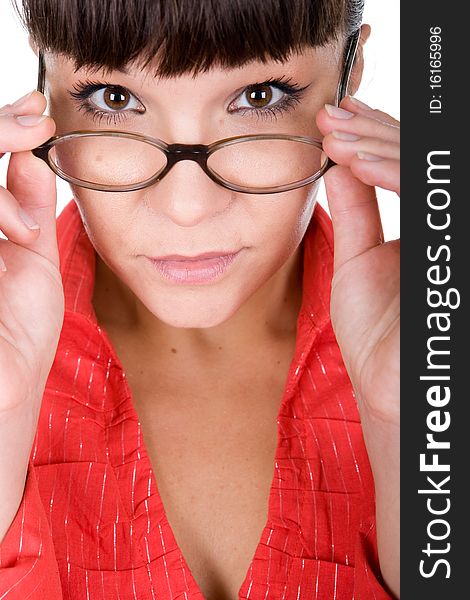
(259, 96)
(116, 98)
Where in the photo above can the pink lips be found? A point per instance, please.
(193, 269)
(203, 256)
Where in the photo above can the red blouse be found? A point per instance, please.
(91, 524)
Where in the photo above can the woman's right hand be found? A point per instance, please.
(31, 292)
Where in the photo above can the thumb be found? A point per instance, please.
(33, 185)
(355, 215)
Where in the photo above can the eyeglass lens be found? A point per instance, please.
(119, 161)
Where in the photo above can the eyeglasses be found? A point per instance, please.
(120, 161)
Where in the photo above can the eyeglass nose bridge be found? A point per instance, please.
(195, 152)
(198, 153)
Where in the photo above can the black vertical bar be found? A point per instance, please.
(435, 356)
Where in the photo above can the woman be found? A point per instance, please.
(267, 424)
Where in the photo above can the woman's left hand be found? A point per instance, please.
(365, 295)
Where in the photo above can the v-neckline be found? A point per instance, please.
(192, 583)
(304, 330)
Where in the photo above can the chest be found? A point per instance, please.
(213, 477)
(212, 450)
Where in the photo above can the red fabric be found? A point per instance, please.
(91, 524)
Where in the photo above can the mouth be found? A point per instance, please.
(203, 256)
(199, 269)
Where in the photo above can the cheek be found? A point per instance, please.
(289, 220)
(107, 219)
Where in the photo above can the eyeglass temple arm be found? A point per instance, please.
(343, 85)
(41, 73)
(41, 152)
(348, 65)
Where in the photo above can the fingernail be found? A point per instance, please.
(367, 156)
(22, 99)
(30, 120)
(27, 219)
(359, 103)
(347, 137)
(338, 113)
(3, 266)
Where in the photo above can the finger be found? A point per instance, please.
(33, 185)
(355, 215)
(357, 106)
(375, 170)
(331, 118)
(342, 147)
(18, 132)
(17, 228)
(34, 102)
(24, 132)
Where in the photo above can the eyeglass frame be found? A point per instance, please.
(199, 153)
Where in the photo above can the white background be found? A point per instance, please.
(379, 88)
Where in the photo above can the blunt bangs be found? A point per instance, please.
(184, 36)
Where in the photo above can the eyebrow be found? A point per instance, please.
(122, 70)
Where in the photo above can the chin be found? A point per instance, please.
(183, 315)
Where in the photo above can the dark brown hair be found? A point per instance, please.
(188, 36)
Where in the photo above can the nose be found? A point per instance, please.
(187, 196)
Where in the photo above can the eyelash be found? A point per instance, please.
(83, 90)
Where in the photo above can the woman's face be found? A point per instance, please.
(186, 213)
